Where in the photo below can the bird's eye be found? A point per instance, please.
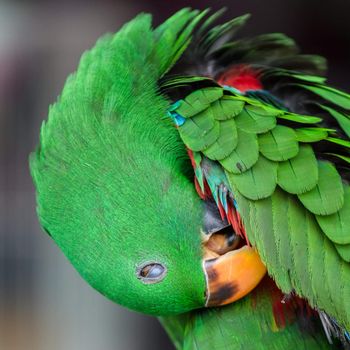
(151, 272)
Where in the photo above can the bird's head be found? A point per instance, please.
(115, 189)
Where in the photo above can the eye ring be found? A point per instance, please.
(151, 272)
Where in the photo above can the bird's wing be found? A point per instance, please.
(287, 179)
(276, 160)
(191, 60)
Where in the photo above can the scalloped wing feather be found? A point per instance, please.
(294, 207)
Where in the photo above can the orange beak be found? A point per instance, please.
(232, 276)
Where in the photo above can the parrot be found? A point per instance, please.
(203, 178)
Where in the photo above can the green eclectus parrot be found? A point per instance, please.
(180, 164)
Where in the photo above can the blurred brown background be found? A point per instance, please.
(44, 304)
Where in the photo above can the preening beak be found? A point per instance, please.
(232, 276)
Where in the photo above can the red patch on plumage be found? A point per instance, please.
(231, 215)
(283, 313)
(232, 218)
(285, 310)
(190, 154)
(242, 229)
(242, 78)
(198, 188)
(235, 220)
(207, 190)
(221, 210)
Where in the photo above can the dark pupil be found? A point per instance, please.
(152, 271)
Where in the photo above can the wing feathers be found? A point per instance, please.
(294, 207)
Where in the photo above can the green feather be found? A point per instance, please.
(304, 119)
(261, 221)
(210, 40)
(330, 94)
(208, 22)
(338, 141)
(328, 195)
(299, 174)
(200, 131)
(204, 96)
(226, 108)
(248, 324)
(303, 77)
(254, 119)
(184, 38)
(344, 251)
(198, 101)
(204, 120)
(257, 182)
(317, 244)
(305, 265)
(187, 110)
(169, 82)
(173, 37)
(226, 142)
(282, 230)
(344, 158)
(341, 118)
(244, 156)
(311, 134)
(279, 143)
(275, 45)
(335, 284)
(337, 225)
(299, 229)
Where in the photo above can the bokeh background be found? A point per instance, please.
(44, 304)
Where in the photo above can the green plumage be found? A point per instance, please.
(244, 156)
(316, 210)
(336, 226)
(246, 324)
(327, 197)
(114, 186)
(199, 101)
(279, 144)
(226, 108)
(99, 193)
(226, 142)
(197, 136)
(311, 134)
(255, 120)
(300, 173)
(257, 182)
(334, 96)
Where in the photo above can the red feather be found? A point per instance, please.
(198, 188)
(242, 78)
(221, 210)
